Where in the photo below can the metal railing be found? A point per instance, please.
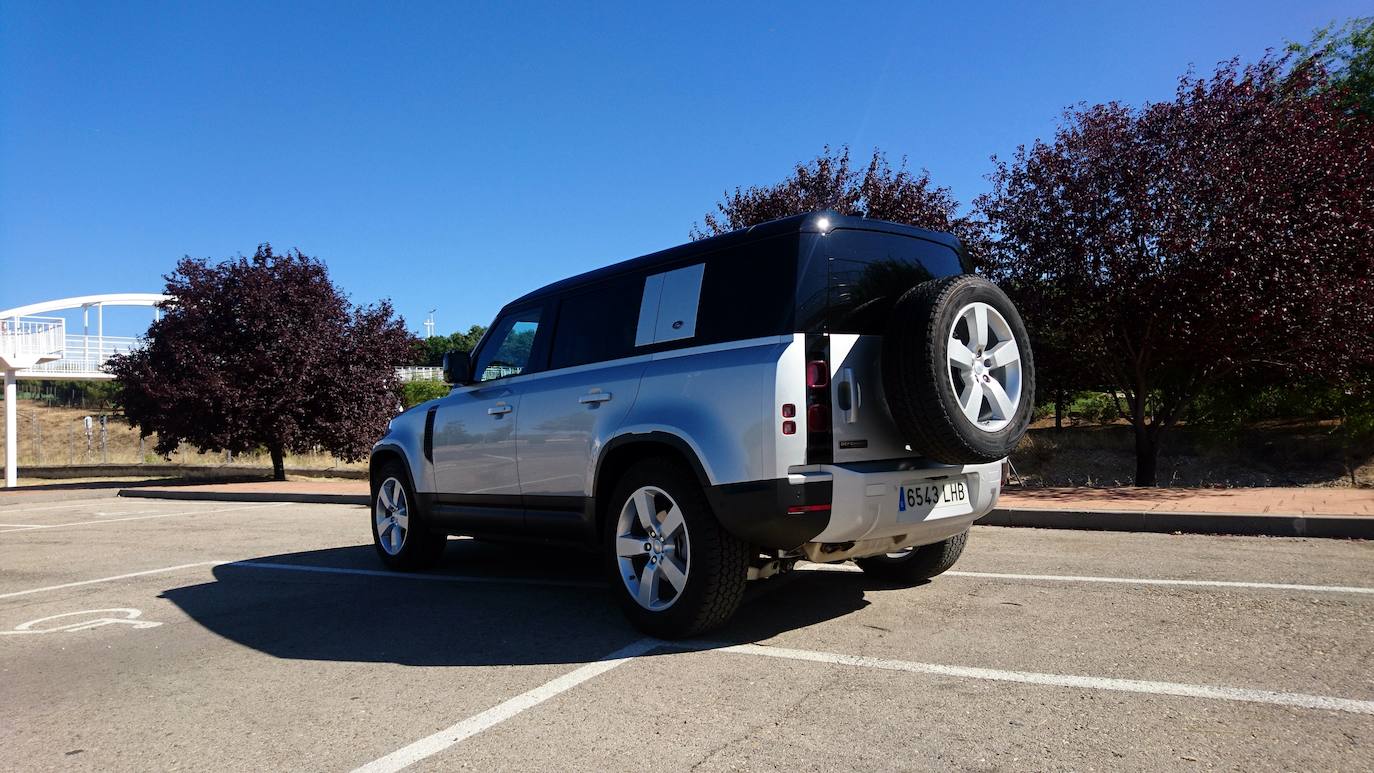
(85, 354)
(31, 338)
(419, 373)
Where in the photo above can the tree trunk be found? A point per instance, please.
(1058, 409)
(1146, 456)
(278, 464)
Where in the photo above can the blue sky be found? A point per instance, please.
(455, 155)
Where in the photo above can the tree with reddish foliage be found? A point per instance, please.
(831, 182)
(263, 352)
(1184, 243)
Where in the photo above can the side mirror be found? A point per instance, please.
(457, 368)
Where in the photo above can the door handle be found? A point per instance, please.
(594, 397)
(500, 410)
(849, 398)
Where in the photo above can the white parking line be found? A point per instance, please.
(14, 507)
(1298, 700)
(1119, 580)
(433, 744)
(1144, 581)
(108, 579)
(142, 517)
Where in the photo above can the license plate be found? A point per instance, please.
(916, 500)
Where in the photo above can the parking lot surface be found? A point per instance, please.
(145, 634)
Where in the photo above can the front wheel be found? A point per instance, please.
(915, 565)
(399, 532)
(678, 572)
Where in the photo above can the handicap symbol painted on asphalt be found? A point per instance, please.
(85, 620)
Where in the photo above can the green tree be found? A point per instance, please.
(437, 346)
(1347, 54)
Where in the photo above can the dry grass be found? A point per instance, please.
(1273, 454)
(51, 436)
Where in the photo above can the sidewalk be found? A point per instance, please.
(1279, 512)
(333, 492)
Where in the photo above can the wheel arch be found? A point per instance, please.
(623, 451)
(382, 454)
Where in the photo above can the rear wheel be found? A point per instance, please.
(399, 532)
(914, 565)
(677, 572)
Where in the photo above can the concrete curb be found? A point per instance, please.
(207, 473)
(246, 496)
(1248, 524)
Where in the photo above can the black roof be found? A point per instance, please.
(807, 222)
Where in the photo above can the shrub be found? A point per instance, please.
(1094, 407)
(415, 392)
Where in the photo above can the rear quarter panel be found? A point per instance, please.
(719, 399)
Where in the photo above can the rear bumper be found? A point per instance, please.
(790, 512)
(776, 514)
(865, 501)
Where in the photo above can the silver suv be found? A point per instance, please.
(819, 387)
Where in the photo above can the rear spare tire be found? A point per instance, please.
(957, 370)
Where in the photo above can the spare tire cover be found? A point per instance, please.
(957, 370)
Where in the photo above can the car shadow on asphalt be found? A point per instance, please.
(487, 604)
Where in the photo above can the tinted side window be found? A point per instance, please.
(507, 351)
(747, 291)
(598, 324)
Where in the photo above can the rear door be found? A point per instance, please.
(592, 381)
(867, 272)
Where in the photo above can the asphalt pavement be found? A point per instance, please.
(151, 634)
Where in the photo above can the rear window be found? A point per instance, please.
(854, 277)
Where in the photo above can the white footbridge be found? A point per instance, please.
(36, 345)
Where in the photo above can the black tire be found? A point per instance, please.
(717, 566)
(919, 382)
(420, 547)
(916, 565)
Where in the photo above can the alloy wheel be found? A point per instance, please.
(651, 548)
(391, 516)
(984, 367)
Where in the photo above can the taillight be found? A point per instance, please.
(818, 432)
(817, 373)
